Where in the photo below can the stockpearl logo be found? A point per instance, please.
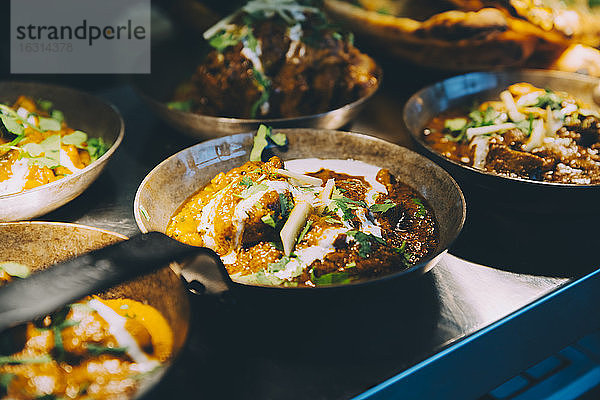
(80, 36)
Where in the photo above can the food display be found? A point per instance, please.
(38, 147)
(96, 348)
(308, 222)
(276, 60)
(528, 132)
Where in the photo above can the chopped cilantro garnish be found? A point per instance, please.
(304, 231)
(422, 211)
(549, 99)
(12, 360)
(386, 206)
(332, 220)
(264, 85)
(364, 241)
(223, 40)
(526, 126)
(333, 278)
(246, 181)
(268, 219)
(96, 350)
(286, 205)
(96, 147)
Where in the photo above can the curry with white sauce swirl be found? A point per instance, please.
(315, 222)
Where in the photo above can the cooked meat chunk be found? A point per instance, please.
(503, 159)
(315, 72)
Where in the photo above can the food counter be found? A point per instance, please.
(450, 333)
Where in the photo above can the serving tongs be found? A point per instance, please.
(46, 291)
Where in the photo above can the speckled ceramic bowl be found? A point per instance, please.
(178, 177)
(41, 244)
(82, 111)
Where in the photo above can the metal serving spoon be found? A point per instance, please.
(46, 291)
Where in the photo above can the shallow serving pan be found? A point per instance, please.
(82, 111)
(177, 178)
(174, 62)
(41, 244)
(485, 189)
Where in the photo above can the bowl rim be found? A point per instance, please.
(99, 162)
(140, 88)
(416, 136)
(421, 266)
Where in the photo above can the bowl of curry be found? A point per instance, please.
(283, 64)
(323, 208)
(54, 142)
(524, 139)
(115, 344)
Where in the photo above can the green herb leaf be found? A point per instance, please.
(331, 220)
(386, 206)
(49, 124)
(96, 147)
(12, 360)
(264, 85)
(15, 269)
(549, 99)
(97, 350)
(268, 219)
(77, 139)
(422, 211)
(185, 106)
(304, 231)
(286, 205)
(223, 40)
(246, 181)
(333, 278)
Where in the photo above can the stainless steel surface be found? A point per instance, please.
(177, 178)
(41, 244)
(170, 66)
(82, 111)
(268, 352)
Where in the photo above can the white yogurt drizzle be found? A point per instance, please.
(116, 328)
(324, 246)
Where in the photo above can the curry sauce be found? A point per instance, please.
(354, 221)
